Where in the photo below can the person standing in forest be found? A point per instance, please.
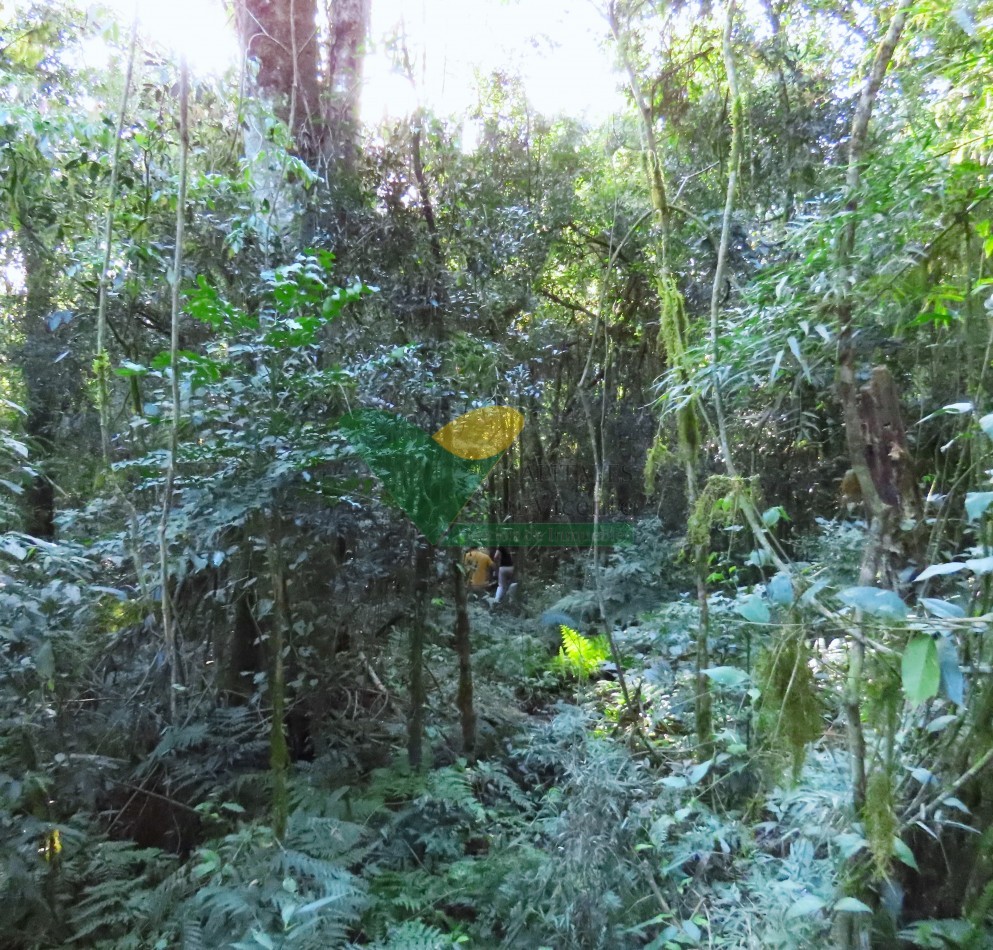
(504, 562)
(479, 567)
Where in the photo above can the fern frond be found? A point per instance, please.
(415, 935)
(325, 838)
(580, 656)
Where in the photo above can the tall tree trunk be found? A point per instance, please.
(851, 932)
(349, 28)
(279, 753)
(463, 650)
(282, 37)
(418, 634)
(169, 624)
(310, 61)
(880, 513)
(41, 392)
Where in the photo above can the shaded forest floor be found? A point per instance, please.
(590, 817)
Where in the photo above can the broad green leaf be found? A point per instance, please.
(699, 772)
(852, 905)
(13, 548)
(775, 366)
(19, 447)
(953, 802)
(44, 661)
(875, 601)
(921, 672)
(810, 594)
(113, 591)
(758, 558)
(904, 854)
(316, 905)
(780, 589)
(772, 516)
(942, 608)
(980, 565)
(936, 725)
(127, 368)
(794, 345)
(976, 503)
(952, 683)
(726, 675)
(850, 843)
(805, 906)
(754, 609)
(936, 570)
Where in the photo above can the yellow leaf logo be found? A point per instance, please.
(482, 433)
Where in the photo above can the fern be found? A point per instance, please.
(326, 838)
(580, 656)
(119, 880)
(198, 759)
(245, 888)
(192, 935)
(414, 935)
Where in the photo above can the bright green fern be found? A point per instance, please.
(579, 657)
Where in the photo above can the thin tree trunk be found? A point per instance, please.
(279, 754)
(847, 386)
(663, 213)
(463, 650)
(168, 615)
(851, 932)
(418, 634)
(102, 362)
(41, 395)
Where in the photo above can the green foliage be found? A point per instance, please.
(921, 672)
(717, 504)
(674, 341)
(414, 935)
(121, 886)
(880, 821)
(789, 712)
(514, 271)
(246, 891)
(580, 657)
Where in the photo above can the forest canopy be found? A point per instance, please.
(551, 512)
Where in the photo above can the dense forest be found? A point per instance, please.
(710, 389)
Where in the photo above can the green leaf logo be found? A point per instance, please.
(431, 477)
